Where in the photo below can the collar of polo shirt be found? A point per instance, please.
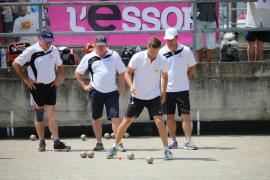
(108, 51)
(147, 57)
(50, 48)
(179, 46)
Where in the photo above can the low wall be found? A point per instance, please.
(219, 92)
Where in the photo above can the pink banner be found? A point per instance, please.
(119, 18)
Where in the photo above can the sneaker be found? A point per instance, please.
(190, 145)
(168, 155)
(60, 146)
(99, 147)
(173, 145)
(121, 148)
(111, 152)
(42, 146)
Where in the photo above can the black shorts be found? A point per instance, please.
(99, 99)
(44, 94)
(257, 35)
(135, 107)
(181, 99)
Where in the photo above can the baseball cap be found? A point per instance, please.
(47, 36)
(170, 33)
(100, 40)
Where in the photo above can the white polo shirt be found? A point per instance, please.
(147, 75)
(180, 61)
(41, 63)
(102, 71)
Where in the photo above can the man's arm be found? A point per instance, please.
(21, 73)
(164, 82)
(128, 79)
(191, 71)
(82, 83)
(121, 83)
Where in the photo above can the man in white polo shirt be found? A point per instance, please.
(45, 71)
(148, 67)
(103, 64)
(182, 67)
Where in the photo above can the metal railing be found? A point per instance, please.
(195, 30)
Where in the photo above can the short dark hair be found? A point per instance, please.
(154, 42)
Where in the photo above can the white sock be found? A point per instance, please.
(166, 148)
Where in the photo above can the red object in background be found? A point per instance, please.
(242, 16)
(14, 50)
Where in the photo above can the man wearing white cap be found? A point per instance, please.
(182, 67)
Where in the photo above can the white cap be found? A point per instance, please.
(170, 33)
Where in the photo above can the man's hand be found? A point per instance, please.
(57, 81)
(88, 87)
(132, 91)
(30, 83)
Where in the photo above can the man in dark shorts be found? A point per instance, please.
(148, 67)
(103, 64)
(45, 71)
(182, 66)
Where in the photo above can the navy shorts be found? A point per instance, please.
(179, 99)
(99, 99)
(263, 36)
(44, 94)
(135, 107)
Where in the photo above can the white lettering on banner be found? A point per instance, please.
(83, 13)
(148, 19)
(166, 13)
(188, 21)
(183, 20)
(151, 20)
(131, 19)
(72, 20)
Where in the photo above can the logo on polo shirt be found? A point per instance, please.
(157, 71)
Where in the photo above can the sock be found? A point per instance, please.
(99, 141)
(166, 148)
(114, 145)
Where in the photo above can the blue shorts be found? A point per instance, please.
(210, 37)
(252, 36)
(99, 99)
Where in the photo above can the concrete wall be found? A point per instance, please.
(221, 92)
